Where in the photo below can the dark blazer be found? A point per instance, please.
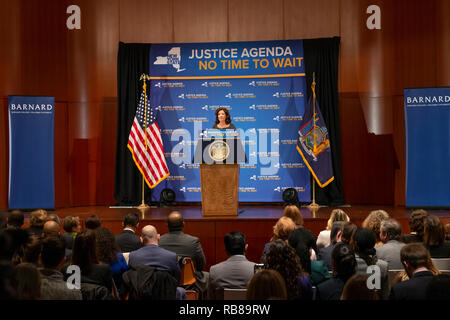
(325, 255)
(128, 241)
(155, 256)
(412, 289)
(410, 238)
(439, 252)
(184, 245)
(330, 289)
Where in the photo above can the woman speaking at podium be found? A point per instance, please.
(223, 119)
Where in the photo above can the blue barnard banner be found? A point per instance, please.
(31, 142)
(427, 118)
(262, 84)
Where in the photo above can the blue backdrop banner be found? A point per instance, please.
(427, 119)
(262, 84)
(31, 142)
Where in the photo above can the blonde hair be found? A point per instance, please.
(373, 222)
(283, 228)
(37, 217)
(293, 212)
(337, 215)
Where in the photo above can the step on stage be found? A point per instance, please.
(255, 221)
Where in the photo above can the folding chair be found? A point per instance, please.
(187, 272)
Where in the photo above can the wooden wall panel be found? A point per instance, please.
(61, 155)
(91, 141)
(415, 43)
(92, 52)
(4, 153)
(400, 150)
(200, 20)
(442, 43)
(367, 159)
(10, 47)
(305, 19)
(43, 48)
(255, 20)
(146, 21)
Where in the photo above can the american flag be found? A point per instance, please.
(149, 157)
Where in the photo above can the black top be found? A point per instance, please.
(439, 252)
(230, 126)
(128, 241)
(410, 238)
(412, 289)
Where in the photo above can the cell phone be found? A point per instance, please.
(258, 267)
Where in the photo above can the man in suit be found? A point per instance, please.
(390, 233)
(335, 238)
(233, 273)
(182, 244)
(153, 255)
(127, 240)
(414, 257)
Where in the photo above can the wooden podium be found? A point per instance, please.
(220, 189)
(219, 154)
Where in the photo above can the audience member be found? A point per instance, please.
(343, 264)
(72, 226)
(438, 288)
(434, 238)
(7, 289)
(37, 220)
(266, 285)
(373, 222)
(27, 281)
(281, 231)
(366, 256)
(348, 233)
(233, 273)
(414, 260)
(128, 240)
(3, 220)
(185, 245)
(29, 251)
(315, 268)
(51, 228)
(151, 254)
(293, 212)
(53, 286)
(11, 239)
(323, 240)
(390, 233)
(356, 289)
(403, 276)
(282, 257)
(447, 231)
(84, 255)
(416, 224)
(93, 222)
(335, 237)
(108, 253)
(53, 217)
(15, 219)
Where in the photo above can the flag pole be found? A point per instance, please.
(313, 207)
(144, 77)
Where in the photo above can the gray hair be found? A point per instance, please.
(391, 228)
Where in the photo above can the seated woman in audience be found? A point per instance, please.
(282, 257)
(72, 226)
(266, 285)
(343, 264)
(373, 222)
(109, 253)
(29, 251)
(366, 256)
(315, 268)
(84, 255)
(281, 231)
(323, 240)
(348, 233)
(356, 289)
(37, 220)
(434, 238)
(293, 212)
(416, 225)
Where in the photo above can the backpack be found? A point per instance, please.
(147, 283)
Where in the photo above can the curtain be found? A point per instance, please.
(322, 58)
(132, 61)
